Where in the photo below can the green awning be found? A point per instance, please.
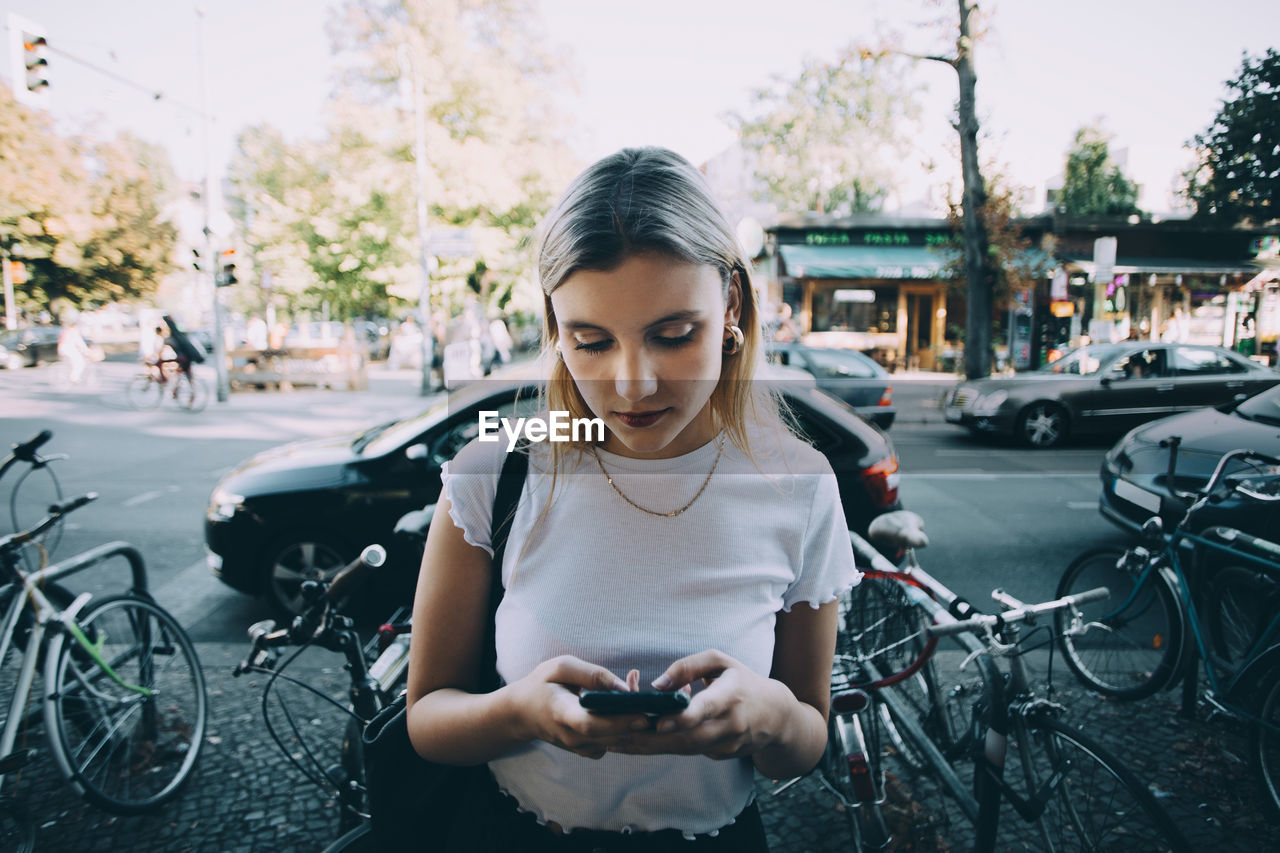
(1171, 266)
(918, 262)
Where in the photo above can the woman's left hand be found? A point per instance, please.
(738, 713)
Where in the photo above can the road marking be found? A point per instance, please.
(150, 496)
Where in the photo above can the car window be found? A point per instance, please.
(833, 364)
(1264, 407)
(1084, 361)
(1195, 361)
(1144, 364)
(457, 436)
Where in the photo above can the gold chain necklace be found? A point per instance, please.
(674, 513)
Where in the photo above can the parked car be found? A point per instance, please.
(303, 510)
(848, 374)
(28, 347)
(1135, 481)
(1105, 389)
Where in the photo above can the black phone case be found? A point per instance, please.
(634, 702)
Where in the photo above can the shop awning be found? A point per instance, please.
(1171, 266)
(918, 262)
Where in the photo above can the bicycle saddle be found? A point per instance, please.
(901, 528)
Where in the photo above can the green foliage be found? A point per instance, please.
(86, 217)
(1092, 184)
(1238, 176)
(335, 220)
(830, 140)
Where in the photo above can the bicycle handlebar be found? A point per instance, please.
(56, 511)
(1216, 478)
(370, 560)
(26, 450)
(1020, 613)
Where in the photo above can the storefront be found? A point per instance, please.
(875, 285)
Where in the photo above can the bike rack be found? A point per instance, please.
(94, 556)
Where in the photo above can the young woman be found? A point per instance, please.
(699, 547)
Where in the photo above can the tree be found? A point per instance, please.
(1092, 184)
(333, 220)
(86, 217)
(1237, 179)
(829, 141)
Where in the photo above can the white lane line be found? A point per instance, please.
(144, 497)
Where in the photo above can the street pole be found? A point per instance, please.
(409, 67)
(981, 290)
(214, 259)
(10, 307)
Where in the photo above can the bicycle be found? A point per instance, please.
(37, 483)
(124, 702)
(377, 673)
(897, 740)
(148, 390)
(1188, 597)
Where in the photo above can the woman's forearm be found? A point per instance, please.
(798, 745)
(451, 726)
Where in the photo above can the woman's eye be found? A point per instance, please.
(592, 346)
(674, 341)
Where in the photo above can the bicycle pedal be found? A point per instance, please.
(14, 761)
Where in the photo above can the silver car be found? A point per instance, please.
(1105, 389)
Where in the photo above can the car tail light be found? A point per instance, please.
(886, 399)
(881, 481)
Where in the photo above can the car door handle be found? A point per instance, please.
(1168, 387)
(1236, 384)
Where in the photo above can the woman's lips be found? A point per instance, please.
(640, 420)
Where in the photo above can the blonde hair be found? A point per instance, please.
(650, 201)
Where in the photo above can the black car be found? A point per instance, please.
(303, 510)
(1135, 473)
(28, 347)
(848, 374)
(1105, 389)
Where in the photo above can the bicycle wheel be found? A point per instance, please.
(1264, 744)
(1241, 605)
(1130, 642)
(1089, 799)
(34, 491)
(190, 393)
(884, 630)
(144, 392)
(358, 840)
(126, 747)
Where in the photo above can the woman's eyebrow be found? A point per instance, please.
(689, 316)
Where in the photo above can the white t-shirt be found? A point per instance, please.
(593, 577)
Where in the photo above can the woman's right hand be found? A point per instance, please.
(546, 702)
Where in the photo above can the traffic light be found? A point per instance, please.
(33, 50)
(227, 269)
(28, 51)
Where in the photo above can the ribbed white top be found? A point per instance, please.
(593, 577)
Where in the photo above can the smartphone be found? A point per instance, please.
(656, 702)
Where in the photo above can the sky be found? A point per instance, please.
(668, 71)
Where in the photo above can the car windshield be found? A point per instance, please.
(1083, 361)
(386, 437)
(1264, 407)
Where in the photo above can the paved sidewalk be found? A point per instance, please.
(245, 796)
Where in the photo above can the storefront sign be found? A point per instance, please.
(879, 238)
(846, 295)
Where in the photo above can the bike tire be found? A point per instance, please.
(1133, 642)
(884, 629)
(144, 392)
(1264, 744)
(1096, 802)
(39, 488)
(357, 840)
(190, 393)
(1241, 604)
(125, 752)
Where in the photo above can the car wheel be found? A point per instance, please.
(13, 361)
(1042, 425)
(293, 560)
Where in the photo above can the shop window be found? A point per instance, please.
(855, 309)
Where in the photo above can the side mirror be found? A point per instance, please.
(1106, 381)
(1153, 529)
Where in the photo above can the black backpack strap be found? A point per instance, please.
(505, 501)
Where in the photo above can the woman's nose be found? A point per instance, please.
(636, 378)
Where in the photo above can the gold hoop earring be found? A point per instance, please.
(734, 339)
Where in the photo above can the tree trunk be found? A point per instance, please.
(978, 272)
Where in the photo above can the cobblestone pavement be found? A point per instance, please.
(245, 796)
